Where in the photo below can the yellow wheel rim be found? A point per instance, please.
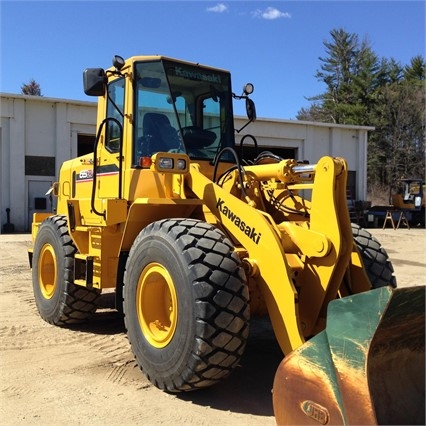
(47, 271)
(156, 305)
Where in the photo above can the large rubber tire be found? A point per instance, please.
(376, 261)
(186, 304)
(59, 301)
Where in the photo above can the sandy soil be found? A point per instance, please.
(87, 375)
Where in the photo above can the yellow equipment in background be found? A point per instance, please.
(195, 240)
(409, 196)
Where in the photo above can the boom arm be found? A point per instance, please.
(297, 283)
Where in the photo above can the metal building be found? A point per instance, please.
(38, 133)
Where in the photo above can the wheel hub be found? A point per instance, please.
(156, 305)
(47, 271)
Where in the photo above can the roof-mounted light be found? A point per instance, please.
(248, 89)
(118, 62)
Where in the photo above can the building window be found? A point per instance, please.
(39, 165)
(85, 144)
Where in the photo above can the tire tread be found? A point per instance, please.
(221, 301)
(376, 261)
(77, 303)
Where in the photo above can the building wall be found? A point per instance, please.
(45, 127)
(315, 140)
(36, 127)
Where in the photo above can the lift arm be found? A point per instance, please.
(325, 242)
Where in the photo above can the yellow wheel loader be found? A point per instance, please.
(409, 196)
(196, 240)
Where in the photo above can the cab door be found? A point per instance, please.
(108, 168)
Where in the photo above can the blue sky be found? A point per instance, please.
(273, 44)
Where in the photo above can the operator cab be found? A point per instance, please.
(176, 107)
(181, 107)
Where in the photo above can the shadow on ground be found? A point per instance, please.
(249, 388)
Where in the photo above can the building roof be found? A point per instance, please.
(240, 117)
(46, 99)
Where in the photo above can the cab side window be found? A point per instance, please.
(115, 109)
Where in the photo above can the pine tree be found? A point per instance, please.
(365, 90)
(348, 72)
(31, 88)
(416, 69)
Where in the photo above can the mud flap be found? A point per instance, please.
(366, 367)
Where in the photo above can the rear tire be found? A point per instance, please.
(185, 304)
(59, 301)
(376, 261)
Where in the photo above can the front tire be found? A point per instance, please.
(376, 261)
(59, 301)
(185, 304)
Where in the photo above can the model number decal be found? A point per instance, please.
(87, 174)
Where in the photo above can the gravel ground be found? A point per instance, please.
(87, 375)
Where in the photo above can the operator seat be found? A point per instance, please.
(158, 134)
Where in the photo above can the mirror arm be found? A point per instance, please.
(245, 125)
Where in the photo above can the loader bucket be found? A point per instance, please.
(366, 367)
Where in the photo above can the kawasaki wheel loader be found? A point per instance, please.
(196, 240)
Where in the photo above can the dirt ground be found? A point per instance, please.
(87, 375)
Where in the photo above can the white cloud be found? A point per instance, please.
(219, 8)
(270, 13)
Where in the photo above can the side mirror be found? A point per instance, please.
(94, 81)
(250, 109)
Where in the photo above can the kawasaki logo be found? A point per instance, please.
(197, 75)
(236, 220)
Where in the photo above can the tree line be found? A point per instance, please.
(364, 89)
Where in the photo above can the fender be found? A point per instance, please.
(144, 211)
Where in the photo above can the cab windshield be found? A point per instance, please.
(182, 108)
